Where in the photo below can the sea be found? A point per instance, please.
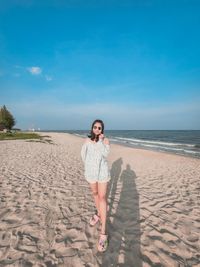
(181, 142)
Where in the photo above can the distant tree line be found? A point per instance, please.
(7, 121)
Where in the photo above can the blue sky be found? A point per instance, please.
(133, 64)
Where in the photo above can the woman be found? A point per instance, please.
(94, 153)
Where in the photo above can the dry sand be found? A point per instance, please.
(153, 198)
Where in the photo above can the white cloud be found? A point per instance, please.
(53, 114)
(35, 70)
(48, 78)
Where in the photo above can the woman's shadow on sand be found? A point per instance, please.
(123, 223)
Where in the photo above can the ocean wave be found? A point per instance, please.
(154, 142)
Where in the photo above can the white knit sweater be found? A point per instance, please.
(94, 157)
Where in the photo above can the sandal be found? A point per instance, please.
(94, 219)
(102, 243)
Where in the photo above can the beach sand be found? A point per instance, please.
(153, 200)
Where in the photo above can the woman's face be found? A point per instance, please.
(97, 128)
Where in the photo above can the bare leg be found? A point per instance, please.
(102, 187)
(94, 188)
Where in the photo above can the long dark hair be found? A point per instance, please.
(92, 135)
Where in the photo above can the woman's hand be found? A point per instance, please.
(101, 136)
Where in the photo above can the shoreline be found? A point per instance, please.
(129, 146)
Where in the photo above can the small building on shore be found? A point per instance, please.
(2, 128)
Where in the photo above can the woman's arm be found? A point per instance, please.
(104, 147)
(84, 151)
